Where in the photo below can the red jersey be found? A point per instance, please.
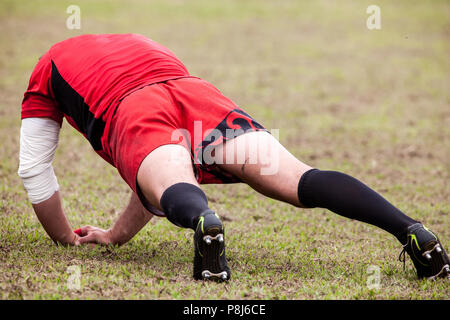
(84, 79)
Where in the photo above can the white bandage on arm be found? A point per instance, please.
(38, 142)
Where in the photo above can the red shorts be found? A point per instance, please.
(187, 111)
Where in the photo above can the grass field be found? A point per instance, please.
(374, 104)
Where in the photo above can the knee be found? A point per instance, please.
(183, 203)
(304, 192)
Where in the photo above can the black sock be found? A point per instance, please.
(351, 198)
(183, 203)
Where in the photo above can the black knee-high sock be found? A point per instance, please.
(183, 203)
(351, 198)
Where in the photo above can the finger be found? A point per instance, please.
(83, 230)
(86, 230)
(90, 238)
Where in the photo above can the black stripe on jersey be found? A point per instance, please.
(73, 105)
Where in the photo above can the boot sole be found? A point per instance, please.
(212, 249)
(439, 267)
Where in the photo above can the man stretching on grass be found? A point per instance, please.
(167, 132)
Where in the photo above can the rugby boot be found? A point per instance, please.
(426, 252)
(210, 262)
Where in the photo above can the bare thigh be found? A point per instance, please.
(163, 167)
(259, 160)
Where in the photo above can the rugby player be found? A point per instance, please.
(167, 132)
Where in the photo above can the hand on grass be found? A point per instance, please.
(90, 234)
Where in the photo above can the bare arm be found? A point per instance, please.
(132, 219)
(130, 222)
(51, 215)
